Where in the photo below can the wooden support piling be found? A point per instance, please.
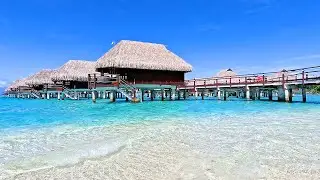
(152, 95)
(304, 95)
(94, 96)
(270, 94)
(162, 95)
(142, 94)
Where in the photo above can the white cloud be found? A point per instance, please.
(3, 84)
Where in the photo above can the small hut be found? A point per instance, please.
(224, 76)
(226, 73)
(40, 80)
(13, 86)
(278, 77)
(142, 62)
(19, 86)
(74, 74)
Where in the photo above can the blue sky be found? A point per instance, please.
(245, 35)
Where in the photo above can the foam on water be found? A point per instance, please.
(34, 149)
(232, 139)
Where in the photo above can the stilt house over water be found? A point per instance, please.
(143, 63)
(40, 80)
(74, 74)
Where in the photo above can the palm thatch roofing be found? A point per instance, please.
(16, 84)
(226, 73)
(40, 78)
(74, 70)
(142, 55)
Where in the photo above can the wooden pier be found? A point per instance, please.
(249, 86)
(253, 86)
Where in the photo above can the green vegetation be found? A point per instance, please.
(314, 89)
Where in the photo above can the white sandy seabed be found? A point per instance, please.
(172, 149)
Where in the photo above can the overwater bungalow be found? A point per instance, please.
(19, 88)
(40, 82)
(143, 63)
(140, 66)
(74, 74)
(72, 78)
(12, 89)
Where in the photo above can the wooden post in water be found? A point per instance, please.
(142, 94)
(104, 95)
(288, 93)
(270, 94)
(179, 93)
(247, 92)
(184, 94)
(304, 94)
(196, 93)
(303, 90)
(259, 94)
(173, 94)
(94, 97)
(202, 95)
(224, 95)
(112, 96)
(281, 94)
(151, 95)
(162, 94)
(218, 93)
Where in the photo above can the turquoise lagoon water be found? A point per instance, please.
(36, 134)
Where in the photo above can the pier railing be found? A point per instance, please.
(103, 80)
(309, 75)
(110, 80)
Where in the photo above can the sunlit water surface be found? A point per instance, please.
(207, 139)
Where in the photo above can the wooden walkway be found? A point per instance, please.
(252, 86)
(249, 86)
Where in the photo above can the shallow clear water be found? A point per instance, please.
(38, 134)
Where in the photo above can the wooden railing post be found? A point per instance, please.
(263, 80)
(302, 77)
(89, 81)
(283, 81)
(118, 80)
(95, 81)
(306, 76)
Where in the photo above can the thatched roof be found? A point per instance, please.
(16, 84)
(40, 78)
(74, 70)
(142, 55)
(226, 73)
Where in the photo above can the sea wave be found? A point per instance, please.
(32, 153)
